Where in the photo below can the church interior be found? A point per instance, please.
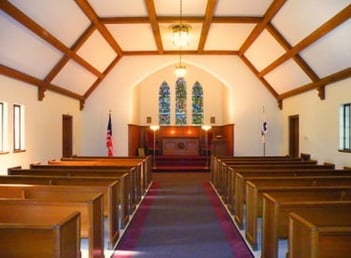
(268, 78)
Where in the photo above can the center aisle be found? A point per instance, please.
(181, 216)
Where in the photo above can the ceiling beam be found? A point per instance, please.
(17, 75)
(328, 26)
(150, 7)
(90, 13)
(268, 16)
(335, 77)
(64, 60)
(23, 19)
(211, 5)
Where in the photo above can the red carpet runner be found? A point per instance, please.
(181, 219)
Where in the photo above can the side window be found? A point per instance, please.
(3, 127)
(345, 127)
(18, 128)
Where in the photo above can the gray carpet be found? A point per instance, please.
(183, 218)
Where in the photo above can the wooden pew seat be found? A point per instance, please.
(320, 235)
(41, 234)
(278, 205)
(90, 207)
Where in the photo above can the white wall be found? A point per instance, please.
(43, 123)
(247, 98)
(319, 122)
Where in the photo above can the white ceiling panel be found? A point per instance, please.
(133, 37)
(264, 51)
(24, 51)
(63, 19)
(74, 78)
(331, 53)
(97, 52)
(172, 7)
(227, 36)
(122, 8)
(242, 7)
(223, 26)
(298, 18)
(287, 77)
(167, 40)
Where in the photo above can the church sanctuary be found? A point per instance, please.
(175, 128)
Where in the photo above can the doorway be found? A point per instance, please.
(67, 136)
(294, 136)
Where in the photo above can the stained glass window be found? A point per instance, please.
(180, 115)
(197, 104)
(164, 104)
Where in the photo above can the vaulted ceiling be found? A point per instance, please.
(70, 46)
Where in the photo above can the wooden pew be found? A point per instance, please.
(90, 209)
(278, 204)
(236, 186)
(34, 235)
(76, 175)
(228, 186)
(108, 186)
(223, 173)
(146, 165)
(133, 174)
(320, 235)
(137, 164)
(254, 201)
(282, 178)
(220, 177)
(217, 161)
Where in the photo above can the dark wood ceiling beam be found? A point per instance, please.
(271, 12)
(335, 77)
(17, 75)
(23, 19)
(150, 7)
(328, 26)
(174, 19)
(265, 83)
(90, 13)
(186, 52)
(99, 80)
(298, 59)
(64, 60)
(211, 5)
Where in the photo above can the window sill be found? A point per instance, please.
(18, 151)
(346, 151)
(4, 152)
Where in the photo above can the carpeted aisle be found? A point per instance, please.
(181, 216)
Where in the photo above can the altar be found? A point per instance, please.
(186, 141)
(179, 146)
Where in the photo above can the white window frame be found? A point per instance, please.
(18, 128)
(3, 127)
(345, 127)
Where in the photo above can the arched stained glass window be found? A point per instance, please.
(197, 104)
(164, 104)
(180, 102)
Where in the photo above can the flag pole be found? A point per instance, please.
(264, 131)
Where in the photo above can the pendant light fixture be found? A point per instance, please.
(180, 39)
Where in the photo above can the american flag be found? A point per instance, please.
(109, 143)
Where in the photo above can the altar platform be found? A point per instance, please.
(181, 163)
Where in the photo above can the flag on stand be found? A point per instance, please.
(264, 127)
(109, 143)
